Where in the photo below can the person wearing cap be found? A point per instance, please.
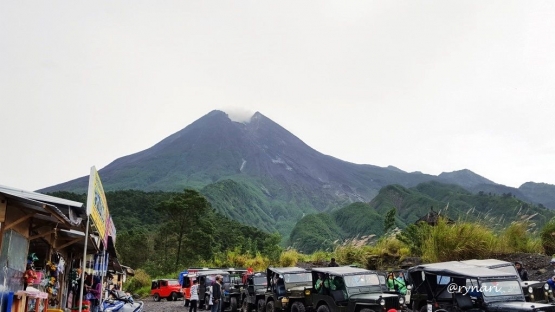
(521, 271)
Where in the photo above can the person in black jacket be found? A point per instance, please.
(333, 263)
(521, 271)
(217, 294)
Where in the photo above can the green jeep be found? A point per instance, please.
(348, 289)
(288, 289)
(253, 294)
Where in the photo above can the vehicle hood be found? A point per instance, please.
(520, 306)
(297, 288)
(532, 283)
(371, 297)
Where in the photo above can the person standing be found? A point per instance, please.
(216, 295)
(521, 271)
(194, 297)
(95, 290)
(333, 263)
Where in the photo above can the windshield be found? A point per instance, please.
(212, 277)
(362, 280)
(173, 283)
(500, 288)
(297, 277)
(259, 280)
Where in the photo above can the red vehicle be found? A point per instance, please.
(166, 288)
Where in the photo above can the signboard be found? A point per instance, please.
(111, 229)
(97, 207)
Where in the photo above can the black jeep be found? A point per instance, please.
(232, 291)
(348, 289)
(457, 286)
(287, 289)
(534, 291)
(253, 292)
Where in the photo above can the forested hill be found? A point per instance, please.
(324, 230)
(149, 223)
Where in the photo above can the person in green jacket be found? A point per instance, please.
(397, 284)
(323, 285)
(401, 283)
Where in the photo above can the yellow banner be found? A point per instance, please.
(97, 207)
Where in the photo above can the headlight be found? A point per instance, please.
(401, 300)
(382, 302)
(546, 286)
(530, 289)
(284, 300)
(307, 292)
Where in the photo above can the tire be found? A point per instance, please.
(324, 308)
(173, 296)
(424, 308)
(245, 307)
(233, 304)
(260, 305)
(157, 297)
(298, 306)
(366, 310)
(207, 303)
(270, 307)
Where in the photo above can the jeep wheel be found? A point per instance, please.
(156, 297)
(233, 304)
(173, 297)
(424, 308)
(366, 310)
(245, 306)
(324, 308)
(298, 307)
(260, 305)
(270, 306)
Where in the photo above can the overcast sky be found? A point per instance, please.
(427, 86)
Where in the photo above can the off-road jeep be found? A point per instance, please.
(288, 289)
(348, 289)
(253, 292)
(534, 291)
(166, 288)
(232, 291)
(457, 286)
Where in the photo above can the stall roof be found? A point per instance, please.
(39, 197)
(37, 205)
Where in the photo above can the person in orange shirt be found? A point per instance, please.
(28, 277)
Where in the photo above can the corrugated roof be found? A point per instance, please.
(40, 197)
(22, 195)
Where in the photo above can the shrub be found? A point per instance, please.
(289, 258)
(459, 241)
(547, 236)
(141, 279)
(517, 238)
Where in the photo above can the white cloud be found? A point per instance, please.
(239, 114)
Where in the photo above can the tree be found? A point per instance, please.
(389, 221)
(184, 216)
